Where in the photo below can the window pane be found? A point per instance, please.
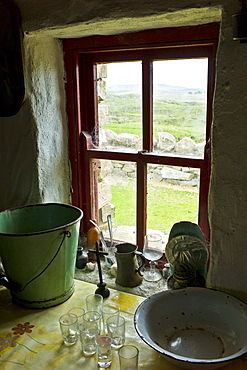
(180, 92)
(117, 196)
(173, 196)
(119, 105)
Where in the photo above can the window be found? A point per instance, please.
(140, 111)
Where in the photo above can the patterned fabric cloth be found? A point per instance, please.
(31, 338)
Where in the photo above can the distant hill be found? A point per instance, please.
(135, 89)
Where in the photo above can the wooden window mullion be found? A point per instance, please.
(86, 183)
(147, 128)
(147, 104)
(141, 202)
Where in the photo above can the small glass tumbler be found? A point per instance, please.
(91, 320)
(69, 328)
(109, 309)
(116, 330)
(128, 357)
(79, 312)
(88, 340)
(94, 302)
(104, 350)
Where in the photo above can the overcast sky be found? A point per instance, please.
(190, 73)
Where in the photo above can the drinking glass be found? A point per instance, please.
(69, 328)
(91, 320)
(109, 309)
(128, 357)
(89, 331)
(104, 350)
(152, 251)
(79, 312)
(116, 330)
(94, 302)
(88, 338)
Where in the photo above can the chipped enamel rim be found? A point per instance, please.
(165, 310)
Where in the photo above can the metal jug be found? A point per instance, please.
(129, 264)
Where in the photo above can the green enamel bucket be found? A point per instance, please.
(38, 246)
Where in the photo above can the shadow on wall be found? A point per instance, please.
(18, 159)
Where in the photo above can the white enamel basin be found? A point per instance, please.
(195, 328)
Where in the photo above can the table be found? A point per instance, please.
(40, 345)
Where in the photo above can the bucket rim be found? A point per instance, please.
(43, 205)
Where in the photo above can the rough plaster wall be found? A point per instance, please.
(179, 18)
(18, 159)
(34, 163)
(44, 63)
(105, 15)
(228, 193)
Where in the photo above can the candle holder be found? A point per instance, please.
(102, 290)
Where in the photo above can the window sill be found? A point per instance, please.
(145, 289)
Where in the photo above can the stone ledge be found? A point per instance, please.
(145, 289)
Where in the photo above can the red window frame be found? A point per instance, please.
(80, 58)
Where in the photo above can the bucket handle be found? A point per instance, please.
(65, 233)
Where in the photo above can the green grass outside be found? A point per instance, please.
(176, 117)
(166, 206)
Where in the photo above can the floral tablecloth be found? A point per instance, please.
(31, 338)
